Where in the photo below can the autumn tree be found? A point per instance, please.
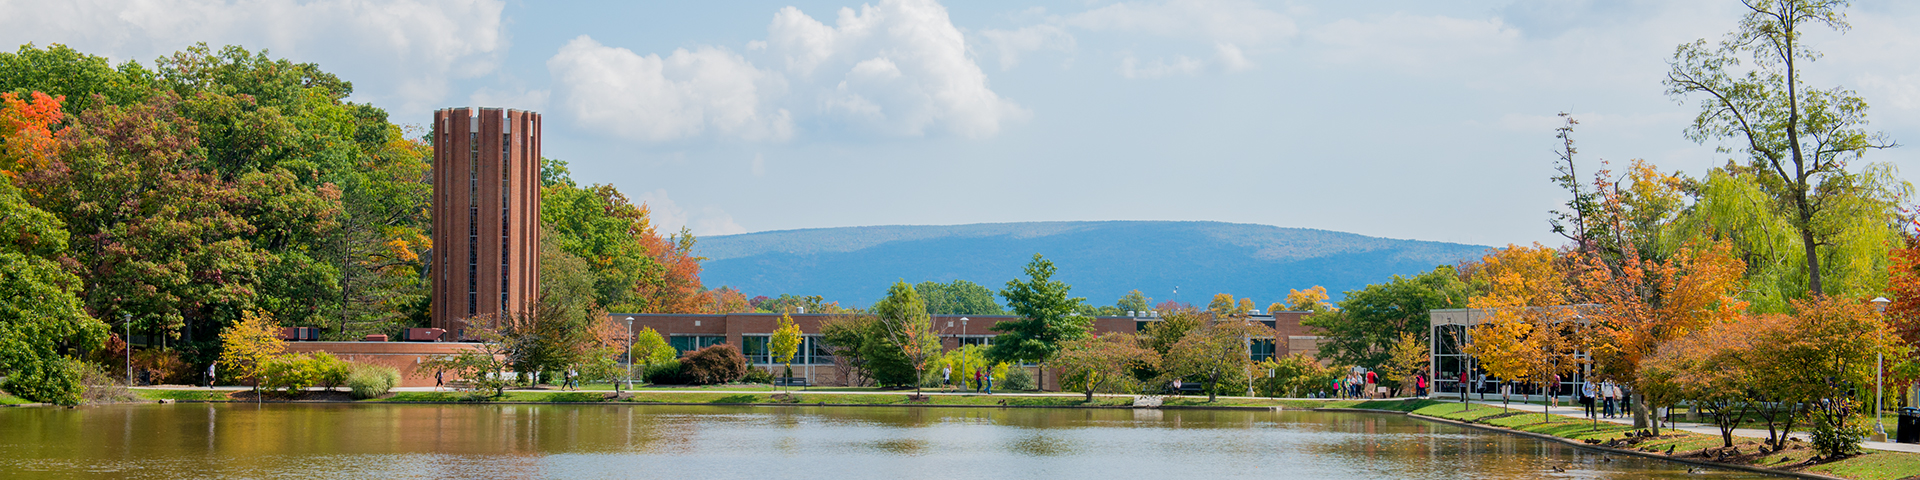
(1313, 299)
(1714, 369)
(246, 347)
(1529, 334)
(959, 297)
(1798, 139)
(1215, 352)
(785, 343)
(1046, 317)
(1409, 357)
(1102, 364)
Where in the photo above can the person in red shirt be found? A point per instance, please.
(1372, 379)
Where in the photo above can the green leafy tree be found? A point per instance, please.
(959, 297)
(905, 326)
(1135, 302)
(650, 348)
(87, 80)
(42, 324)
(1798, 139)
(1047, 317)
(1104, 363)
(1370, 320)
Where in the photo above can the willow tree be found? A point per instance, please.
(1798, 139)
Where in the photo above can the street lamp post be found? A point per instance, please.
(126, 321)
(1879, 371)
(629, 353)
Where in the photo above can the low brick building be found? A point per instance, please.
(403, 356)
(815, 361)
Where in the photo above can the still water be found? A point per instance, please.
(695, 442)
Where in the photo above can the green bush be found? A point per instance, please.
(366, 381)
(667, 373)
(1018, 378)
(56, 381)
(329, 372)
(292, 373)
(755, 375)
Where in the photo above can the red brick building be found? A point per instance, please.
(751, 332)
(486, 214)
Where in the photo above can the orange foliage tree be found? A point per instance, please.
(1527, 336)
(30, 131)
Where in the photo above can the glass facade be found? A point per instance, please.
(687, 343)
(1262, 349)
(812, 351)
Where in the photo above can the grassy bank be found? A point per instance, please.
(1874, 465)
(6, 399)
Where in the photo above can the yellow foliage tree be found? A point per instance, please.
(1309, 300)
(246, 347)
(785, 343)
(1529, 335)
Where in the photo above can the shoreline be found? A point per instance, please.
(1411, 406)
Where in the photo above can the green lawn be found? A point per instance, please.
(1875, 465)
(6, 399)
(171, 394)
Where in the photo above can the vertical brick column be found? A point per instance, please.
(486, 173)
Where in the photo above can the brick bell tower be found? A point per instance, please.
(486, 215)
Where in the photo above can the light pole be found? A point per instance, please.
(1879, 370)
(629, 353)
(963, 333)
(126, 321)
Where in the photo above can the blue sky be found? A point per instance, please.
(1403, 119)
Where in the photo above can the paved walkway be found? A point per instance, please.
(1576, 410)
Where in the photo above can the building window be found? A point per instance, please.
(757, 349)
(1262, 349)
(817, 352)
(687, 343)
(981, 340)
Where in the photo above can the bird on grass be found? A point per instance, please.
(1670, 449)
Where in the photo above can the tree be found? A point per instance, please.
(483, 367)
(1296, 375)
(1530, 335)
(30, 132)
(1214, 353)
(1363, 330)
(1798, 139)
(715, 364)
(960, 297)
(1309, 300)
(1713, 369)
(246, 347)
(1102, 363)
(1135, 302)
(1047, 317)
(1640, 305)
(1408, 357)
(905, 325)
(1172, 326)
(785, 343)
(42, 322)
(650, 348)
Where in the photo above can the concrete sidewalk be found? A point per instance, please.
(1578, 411)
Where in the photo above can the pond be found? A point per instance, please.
(720, 442)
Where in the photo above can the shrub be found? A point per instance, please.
(755, 375)
(666, 373)
(292, 373)
(1018, 379)
(328, 371)
(60, 381)
(716, 364)
(366, 381)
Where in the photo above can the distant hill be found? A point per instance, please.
(1101, 260)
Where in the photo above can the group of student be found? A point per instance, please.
(982, 381)
(1611, 398)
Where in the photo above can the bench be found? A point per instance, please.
(790, 381)
(1191, 387)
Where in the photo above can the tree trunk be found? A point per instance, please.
(1640, 415)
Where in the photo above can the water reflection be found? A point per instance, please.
(604, 441)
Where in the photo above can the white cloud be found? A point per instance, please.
(1414, 42)
(661, 99)
(1214, 21)
(897, 68)
(1008, 45)
(668, 217)
(535, 100)
(1131, 67)
(400, 53)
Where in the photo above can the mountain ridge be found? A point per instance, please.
(1101, 259)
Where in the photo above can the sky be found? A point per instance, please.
(1402, 119)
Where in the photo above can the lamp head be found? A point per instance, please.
(1880, 304)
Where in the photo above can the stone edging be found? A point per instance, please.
(1621, 451)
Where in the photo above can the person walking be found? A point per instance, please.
(976, 381)
(1372, 379)
(989, 384)
(1586, 396)
(212, 373)
(439, 379)
(1606, 400)
(1553, 392)
(946, 376)
(1420, 385)
(1480, 385)
(1463, 385)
